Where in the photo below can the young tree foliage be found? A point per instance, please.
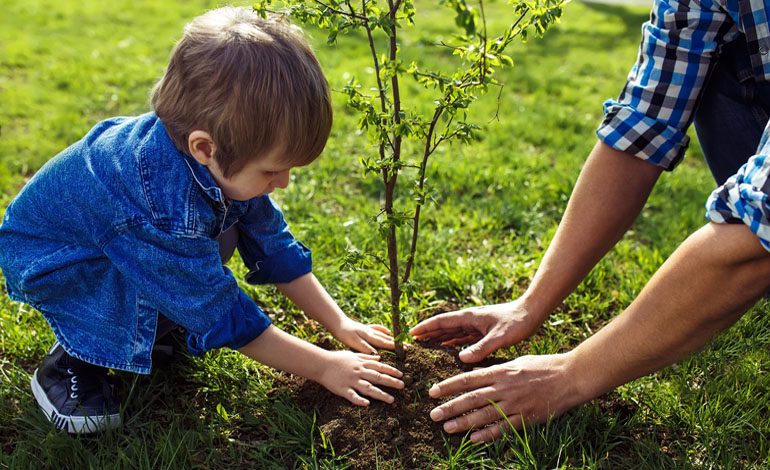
(389, 121)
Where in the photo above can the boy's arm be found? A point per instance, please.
(344, 373)
(311, 297)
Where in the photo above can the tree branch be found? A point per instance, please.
(421, 185)
(341, 12)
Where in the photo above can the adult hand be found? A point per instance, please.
(528, 390)
(353, 376)
(363, 338)
(490, 328)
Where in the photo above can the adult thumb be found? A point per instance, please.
(479, 350)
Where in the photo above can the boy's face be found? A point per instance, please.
(260, 176)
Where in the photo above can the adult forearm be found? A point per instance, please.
(609, 194)
(703, 288)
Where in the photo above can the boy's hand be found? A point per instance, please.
(364, 338)
(351, 375)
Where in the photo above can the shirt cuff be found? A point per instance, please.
(285, 266)
(244, 322)
(628, 130)
(744, 197)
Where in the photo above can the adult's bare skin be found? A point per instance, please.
(608, 196)
(703, 288)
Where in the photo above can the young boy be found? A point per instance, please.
(134, 221)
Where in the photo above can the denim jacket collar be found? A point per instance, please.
(199, 172)
(205, 180)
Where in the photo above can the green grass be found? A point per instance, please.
(66, 64)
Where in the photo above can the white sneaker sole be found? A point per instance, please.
(71, 424)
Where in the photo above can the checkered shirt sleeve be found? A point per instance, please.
(679, 42)
(755, 16)
(745, 196)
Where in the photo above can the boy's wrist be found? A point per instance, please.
(325, 362)
(337, 325)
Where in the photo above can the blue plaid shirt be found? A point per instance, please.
(679, 46)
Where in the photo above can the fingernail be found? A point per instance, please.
(436, 414)
(450, 426)
(434, 390)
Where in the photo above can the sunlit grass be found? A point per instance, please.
(66, 64)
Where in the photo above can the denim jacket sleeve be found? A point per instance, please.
(269, 250)
(184, 279)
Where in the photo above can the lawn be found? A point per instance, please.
(66, 64)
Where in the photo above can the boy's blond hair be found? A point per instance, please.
(253, 84)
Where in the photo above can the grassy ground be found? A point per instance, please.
(66, 64)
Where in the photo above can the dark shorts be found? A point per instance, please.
(732, 112)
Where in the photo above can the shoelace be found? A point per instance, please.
(80, 385)
(73, 384)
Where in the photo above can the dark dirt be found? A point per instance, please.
(401, 434)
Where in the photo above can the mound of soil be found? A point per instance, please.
(399, 435)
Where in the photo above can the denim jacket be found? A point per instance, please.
(121, 226)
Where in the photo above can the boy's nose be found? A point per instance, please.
(282, 179)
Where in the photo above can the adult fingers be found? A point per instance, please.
(462, 340)
(495, 431)
(451, 335)
(440, 322)
(477, 419)
(462, 404)
(483, 348)
(366, 388)
(462, 383)
(445, 335)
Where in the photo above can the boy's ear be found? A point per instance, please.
(201, 147)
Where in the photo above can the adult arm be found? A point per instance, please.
(703, 288)
(648, 121)
(609, 194)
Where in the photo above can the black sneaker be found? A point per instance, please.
(74, 395)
